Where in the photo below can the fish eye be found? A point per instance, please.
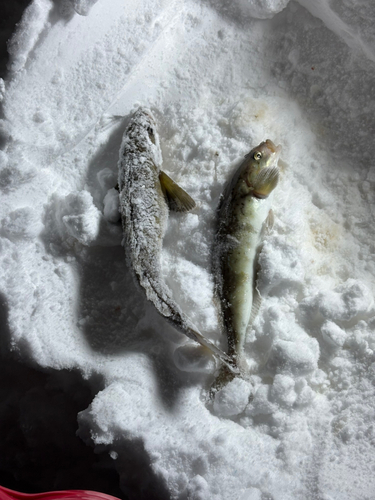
(257, 155)
(151, 134)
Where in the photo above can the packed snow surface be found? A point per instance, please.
(219, 77)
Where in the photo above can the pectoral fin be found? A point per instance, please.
(265, 182)
(178, 200)
(267, 225)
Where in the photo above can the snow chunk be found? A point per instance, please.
(281, 264)
(333, 334)
(34, 20)
(305, 394)
(263, 9)
(198, 488)
(233, 398)
(194, 358)
(82, 7)
(251, 494)
(191, 222)
(295, 357)
(282, 390)
(107, 178)
(349, 301)
(261, 404)
(191, 287)
(111, 206)
(75, 216)
(84, 218)
(21, 223)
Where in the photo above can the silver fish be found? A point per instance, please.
(145, 194)
(243, 216)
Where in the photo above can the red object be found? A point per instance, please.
(6, 494)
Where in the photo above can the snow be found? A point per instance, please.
(219, 77)
(111, 205)
(232, 399)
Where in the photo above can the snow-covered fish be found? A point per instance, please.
(243, 216)
(145, 194)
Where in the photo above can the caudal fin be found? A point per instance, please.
(158, 293)
(223, 378)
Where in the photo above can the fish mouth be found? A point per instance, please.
(271, 146)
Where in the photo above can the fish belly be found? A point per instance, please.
(238, 270)
(238, 292)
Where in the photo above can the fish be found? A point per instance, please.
(244, 215)
(146, 194)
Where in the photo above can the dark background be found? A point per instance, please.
(10, 14)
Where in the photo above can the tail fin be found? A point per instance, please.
(167, 307)
(227, 374)
(227, 360)
(223, 378)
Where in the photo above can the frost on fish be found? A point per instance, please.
(145, 193)
(143, 209)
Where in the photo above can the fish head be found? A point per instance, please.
(261, 173)
(145, 124)
(142, 133)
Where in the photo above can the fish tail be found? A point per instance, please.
(159, 295)
(218, 353)
(223, 378)
(237, 368)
